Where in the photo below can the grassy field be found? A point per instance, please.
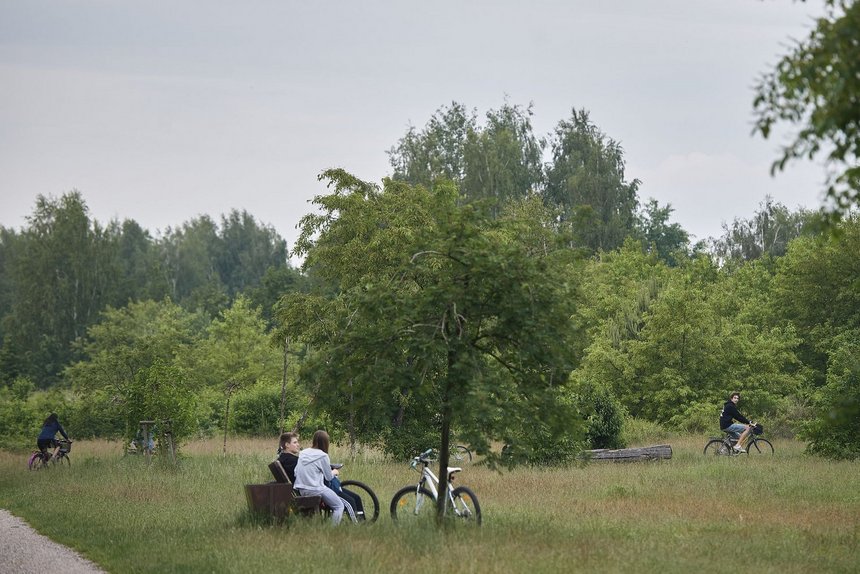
(786, 513)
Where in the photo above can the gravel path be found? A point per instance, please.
(17, 541)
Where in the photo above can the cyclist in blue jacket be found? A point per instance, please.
(46, 439)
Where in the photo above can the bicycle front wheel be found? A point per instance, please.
(760, 446)
(35, 461)
(460, 453)
(368, 498)
(716, 447)
(410, 503)
(63, 461)
(466, 505)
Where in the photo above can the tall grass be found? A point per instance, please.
(786, 513)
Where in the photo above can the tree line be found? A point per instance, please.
(499, 286)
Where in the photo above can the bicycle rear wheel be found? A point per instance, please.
(461, 453)
(368, 498)
(466, 505)
(411, 503)
(760, 446)
(35, 461)
(717, 447)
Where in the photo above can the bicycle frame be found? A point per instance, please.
(430, 481)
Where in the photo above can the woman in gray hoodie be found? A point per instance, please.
(313, 469)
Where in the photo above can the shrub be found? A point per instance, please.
(603, 414)
(641, 432)
(835, 433)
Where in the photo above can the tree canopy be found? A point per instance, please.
(816, 89)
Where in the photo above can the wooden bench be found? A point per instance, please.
(278, 499)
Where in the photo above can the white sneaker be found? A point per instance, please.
(739, 449)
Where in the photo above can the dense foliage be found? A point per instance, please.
(528, 304)
(816, 89)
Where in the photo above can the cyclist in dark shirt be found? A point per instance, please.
(46, 439)
(731, 413)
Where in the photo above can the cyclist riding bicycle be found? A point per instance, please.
(46, 439)
(731, 413)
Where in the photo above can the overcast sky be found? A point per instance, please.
(163, 111)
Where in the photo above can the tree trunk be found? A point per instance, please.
(226, 421)
(444, 450)
(284, 385)
(656, 452)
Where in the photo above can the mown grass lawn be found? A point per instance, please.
(786, 513)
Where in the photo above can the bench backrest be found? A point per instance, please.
(279, 473)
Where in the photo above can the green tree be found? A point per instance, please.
(816, 88)
(586, 180)
(667, 240)
(815, 290)
(767, 233)
(234, 354)
(496, 162)
(670, 341)
(476, 324)
(61, 274)
(131, 349)
(834, 431)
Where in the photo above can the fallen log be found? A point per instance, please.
(656, 452)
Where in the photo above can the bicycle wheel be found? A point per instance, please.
(368, 499)
(35, 461)
(717, 447)
(460, 453)
(62, 460)
(466, 505)
(410, 503)
(760, 446)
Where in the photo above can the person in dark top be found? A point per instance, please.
(46, 439)
(729, 414)
(288, 453)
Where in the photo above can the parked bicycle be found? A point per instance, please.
(39, 460)
(461, 453)
(368, 499)
(725, 446)
(420, 499)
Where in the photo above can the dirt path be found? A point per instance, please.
(18, 542)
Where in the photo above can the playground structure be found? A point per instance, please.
(148, 434)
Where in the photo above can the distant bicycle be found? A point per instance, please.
(38, 460)
(419, 500)
(725, 446)
(461, 453)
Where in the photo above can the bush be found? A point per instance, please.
(699, 417)
(834, 433)
(642, 432)
(19, 420)
(256, 411)
(603, 414)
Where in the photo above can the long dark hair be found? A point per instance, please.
(321, 441)
(52, 418)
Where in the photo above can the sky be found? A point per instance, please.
(165, 111)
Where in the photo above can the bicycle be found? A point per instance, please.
(365, 493)
(37, 460)
(725, 446)
(461, 453)
(415, 501)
